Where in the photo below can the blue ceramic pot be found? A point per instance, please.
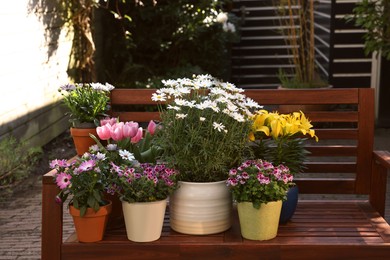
(289, 206)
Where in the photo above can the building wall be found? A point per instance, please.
(34, 53)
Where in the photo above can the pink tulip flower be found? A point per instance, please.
(152, 127)
(104, 132)
(117, 131)
(138, 136)
(130, 129)
(107, 120)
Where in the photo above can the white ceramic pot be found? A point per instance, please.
(144, 220)
(201, 208)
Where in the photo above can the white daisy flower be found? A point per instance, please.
(181, 116)
(202, 119)
(159, 97)
(170, 83)
(176, 108)
(251, 103)
(126, 155)
(218, 126)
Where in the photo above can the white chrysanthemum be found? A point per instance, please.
(251, 103)
(218, 91)
(223, 100)
(238, 117)
(170, 83)
(190, 104)
(180, 102)
(232, 107)
(181, 116)
(126, 155)
(218, 126)
(214, 106)
(176, 108)
(158, 97)
(185, 82)
(167, 91)
(203, 105)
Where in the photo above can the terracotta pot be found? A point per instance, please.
(201, 208)
(82, 140)
(144, 220)
(91, 226)
(259, 224)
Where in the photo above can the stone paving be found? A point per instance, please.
(20, 217)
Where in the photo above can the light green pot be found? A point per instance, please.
(259, 224)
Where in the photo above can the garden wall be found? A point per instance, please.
(34, 56)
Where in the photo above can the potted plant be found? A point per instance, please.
(296, 20)
(127, 142)
(87, 104)
(144, 192)
(279, 138)
(204, 133)
(259, 188)
(84, 181)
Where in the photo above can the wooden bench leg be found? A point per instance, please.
(51, 221)
(380, 166)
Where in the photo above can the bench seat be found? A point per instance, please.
(319, 230)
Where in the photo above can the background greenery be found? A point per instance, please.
(139, 44)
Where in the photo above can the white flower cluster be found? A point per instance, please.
(204, 92)
(226, 26)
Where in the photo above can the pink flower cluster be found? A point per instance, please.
(264, 171)
(112, 129)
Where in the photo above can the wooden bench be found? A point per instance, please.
(344, 172)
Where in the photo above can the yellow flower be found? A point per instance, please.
(281, 125)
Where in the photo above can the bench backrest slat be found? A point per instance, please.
(343, 119)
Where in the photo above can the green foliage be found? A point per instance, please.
(284, 150)
(259, 182)
(144, 43)
(374, 16)
(16, 161)
(296, 82)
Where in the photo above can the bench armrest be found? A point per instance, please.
(380, 167)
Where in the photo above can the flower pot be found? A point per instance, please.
(144, 220)
(82, 140)
(90, 227)
(201, 208)
(289, 206)
(259, 224)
